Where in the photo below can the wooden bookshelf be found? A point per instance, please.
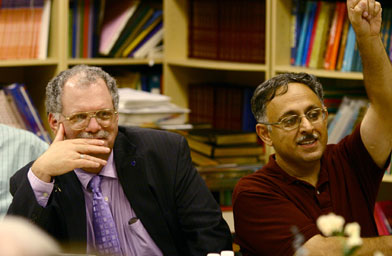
(178, 70)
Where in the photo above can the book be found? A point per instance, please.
(222, 137)
(333, 33)
(8, 113)
(115, 19)
(320, 37)
(27, 110)
(296, 18)
(302, 36)
(148, 43)
(202, 160)
(313, 33)
(44, 31)
(223, 151)
(142, 14)
(155, 20)
(342, 47)
(309, 34)
(349, 51)
(331, 62)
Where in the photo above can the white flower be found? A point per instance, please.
(352, 229)
(328, 224)
(378, 253)
(353, 241)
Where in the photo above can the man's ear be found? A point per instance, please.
(264, 134)
(53, 123)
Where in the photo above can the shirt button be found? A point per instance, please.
(106, 198)
(318, 192)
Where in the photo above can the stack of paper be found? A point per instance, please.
(139, 108)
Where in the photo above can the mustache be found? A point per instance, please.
(306, 137)
(99, 135)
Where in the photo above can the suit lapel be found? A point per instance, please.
(69, 191)
(132, 175)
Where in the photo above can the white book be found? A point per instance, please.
(44, 31)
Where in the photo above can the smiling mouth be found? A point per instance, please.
(307, 142)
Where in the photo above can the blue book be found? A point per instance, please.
(349, 51)
(146, 38)
(312, 16)
(27, 110)
(302, 36)
(296, 18)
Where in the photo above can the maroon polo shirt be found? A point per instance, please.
(269, 202)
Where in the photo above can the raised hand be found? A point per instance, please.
(65, 155)
(365, 17)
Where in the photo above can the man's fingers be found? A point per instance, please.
(60, 133)
(87, 161)
(91, 149)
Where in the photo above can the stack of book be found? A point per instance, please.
(17, 109)
(227, 30)
(24, 29)
(210, 147)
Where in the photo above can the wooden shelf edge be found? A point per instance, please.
(320, 72)
(114, 61)
(387, 178)
(217, 65)
(28, 62)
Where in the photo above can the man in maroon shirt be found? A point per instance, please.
(307, 178)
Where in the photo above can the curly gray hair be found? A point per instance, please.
(87, 75)
(266, 91)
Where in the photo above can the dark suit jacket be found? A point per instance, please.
(161, 184)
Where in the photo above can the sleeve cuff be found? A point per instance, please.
(42, 190)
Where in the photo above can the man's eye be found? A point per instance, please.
(313, 115)
(104, 115)
(290, 121)
(78, 117)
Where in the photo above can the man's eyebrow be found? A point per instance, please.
(293, 112)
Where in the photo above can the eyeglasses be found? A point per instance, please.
(292, 122)
(80, 120)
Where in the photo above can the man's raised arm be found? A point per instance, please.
(376, 128)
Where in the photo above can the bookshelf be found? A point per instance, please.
(178, 69)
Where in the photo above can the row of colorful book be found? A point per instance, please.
(228, 30)
(128, 28)
(17, 109)
(224, 106)
(322, 36)
(24, 29)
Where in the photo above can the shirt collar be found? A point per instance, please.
(109, 170)
(276, 170)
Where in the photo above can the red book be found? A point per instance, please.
(339, 27)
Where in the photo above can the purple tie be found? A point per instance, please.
(105, 232)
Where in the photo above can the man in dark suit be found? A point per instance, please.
(158, 203)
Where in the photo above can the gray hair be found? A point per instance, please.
(87, 75)
(266, 91)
